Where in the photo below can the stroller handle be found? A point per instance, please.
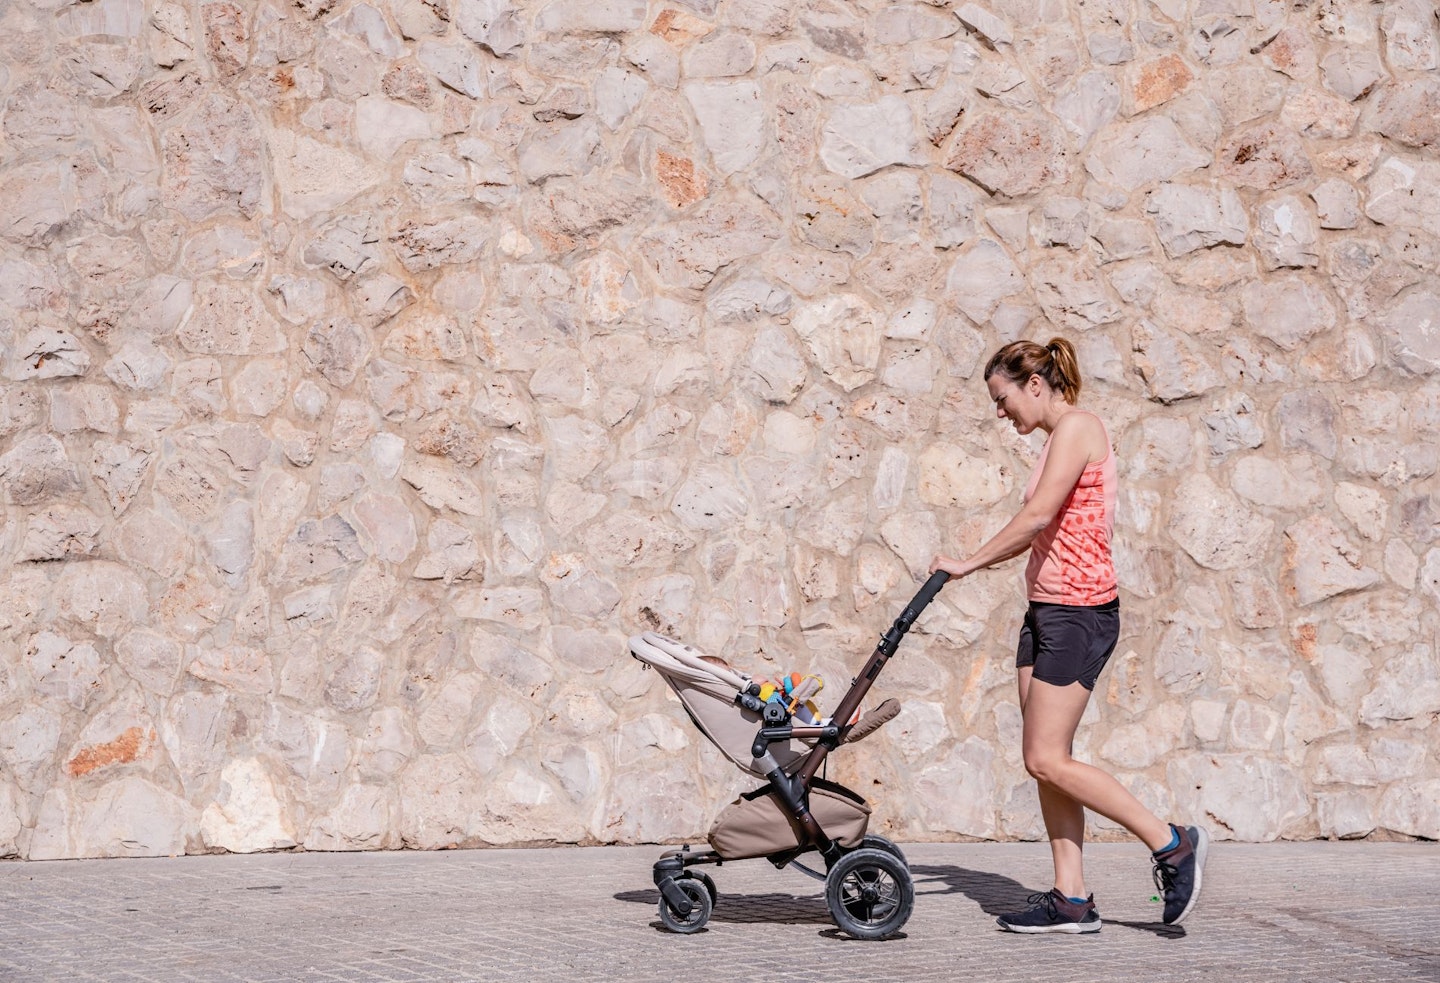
(922, 600)
(890, 641)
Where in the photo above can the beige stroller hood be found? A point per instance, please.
(707, 691)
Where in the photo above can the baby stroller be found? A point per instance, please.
(868, 887)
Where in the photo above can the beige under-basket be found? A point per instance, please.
(756, 825)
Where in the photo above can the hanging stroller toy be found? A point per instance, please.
(764, 729)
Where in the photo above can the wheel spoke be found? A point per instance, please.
(856, 901)
(880, 884)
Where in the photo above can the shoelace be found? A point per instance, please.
(1164, 875)
(1046, 900)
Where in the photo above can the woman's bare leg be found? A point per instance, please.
(1064, 820)
(1065, 823)
(1051, 714)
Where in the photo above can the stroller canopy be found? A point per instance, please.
(707, 690)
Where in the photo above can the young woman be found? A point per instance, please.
(1069, 631)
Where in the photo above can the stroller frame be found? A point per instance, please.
(868, 887)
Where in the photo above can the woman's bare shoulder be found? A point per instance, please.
(1085, 428)
(1080, 423)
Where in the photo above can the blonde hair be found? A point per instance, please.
(1054, 362)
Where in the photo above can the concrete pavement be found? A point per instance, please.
(1301, 912)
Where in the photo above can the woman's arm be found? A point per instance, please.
(1072, 447)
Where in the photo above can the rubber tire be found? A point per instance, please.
(874, 841)
(705, 879)
(695, 890)
(869, 872)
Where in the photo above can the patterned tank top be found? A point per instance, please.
(1070, 560)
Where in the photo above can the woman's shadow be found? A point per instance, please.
(999, 895)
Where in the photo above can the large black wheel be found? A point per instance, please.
(700, 907)
(705, 879)
(870, 893)
(873, 841)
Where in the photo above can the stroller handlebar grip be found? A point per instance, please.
(927, 593)
(922, 600)
(918, 604)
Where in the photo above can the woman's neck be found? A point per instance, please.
(1057, 408)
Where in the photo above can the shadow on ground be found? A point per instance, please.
(759, 909)
(997, 894)
(751, 909)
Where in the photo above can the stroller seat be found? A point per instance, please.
(707, 690)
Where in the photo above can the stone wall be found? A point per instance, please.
(373, 369)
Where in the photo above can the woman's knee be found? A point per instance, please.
(1044, 765)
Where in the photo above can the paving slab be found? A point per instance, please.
(1282, 912)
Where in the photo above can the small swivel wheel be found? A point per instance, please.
(873, 841)
(869, 893)
(694, 920)
(705, 879)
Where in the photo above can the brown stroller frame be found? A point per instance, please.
(868, 887)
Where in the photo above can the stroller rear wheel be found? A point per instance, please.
(698, 893)
(873, 841)
(870, 893)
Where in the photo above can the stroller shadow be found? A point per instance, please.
(758, 909)
(998, 895)
(749, 909)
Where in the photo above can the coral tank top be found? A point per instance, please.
(1070, 560)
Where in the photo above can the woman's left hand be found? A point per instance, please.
(950, 565)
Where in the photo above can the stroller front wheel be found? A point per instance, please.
(709, 883)
(698, 894)
(870, 893)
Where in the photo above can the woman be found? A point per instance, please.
(1070, 629)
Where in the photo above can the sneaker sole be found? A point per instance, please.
(1065, 928)
(1201, 840)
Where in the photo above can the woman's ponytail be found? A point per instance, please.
(1064, 377)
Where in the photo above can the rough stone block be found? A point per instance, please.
(1009, 154)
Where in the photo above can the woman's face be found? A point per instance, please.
(1020, 404)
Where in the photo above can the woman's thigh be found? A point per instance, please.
(1051, 715)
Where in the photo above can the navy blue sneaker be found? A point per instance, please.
(1053, 912)
(1178, 870)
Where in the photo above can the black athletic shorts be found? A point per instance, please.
(1067, 643)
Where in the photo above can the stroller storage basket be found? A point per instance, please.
(758, 824)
